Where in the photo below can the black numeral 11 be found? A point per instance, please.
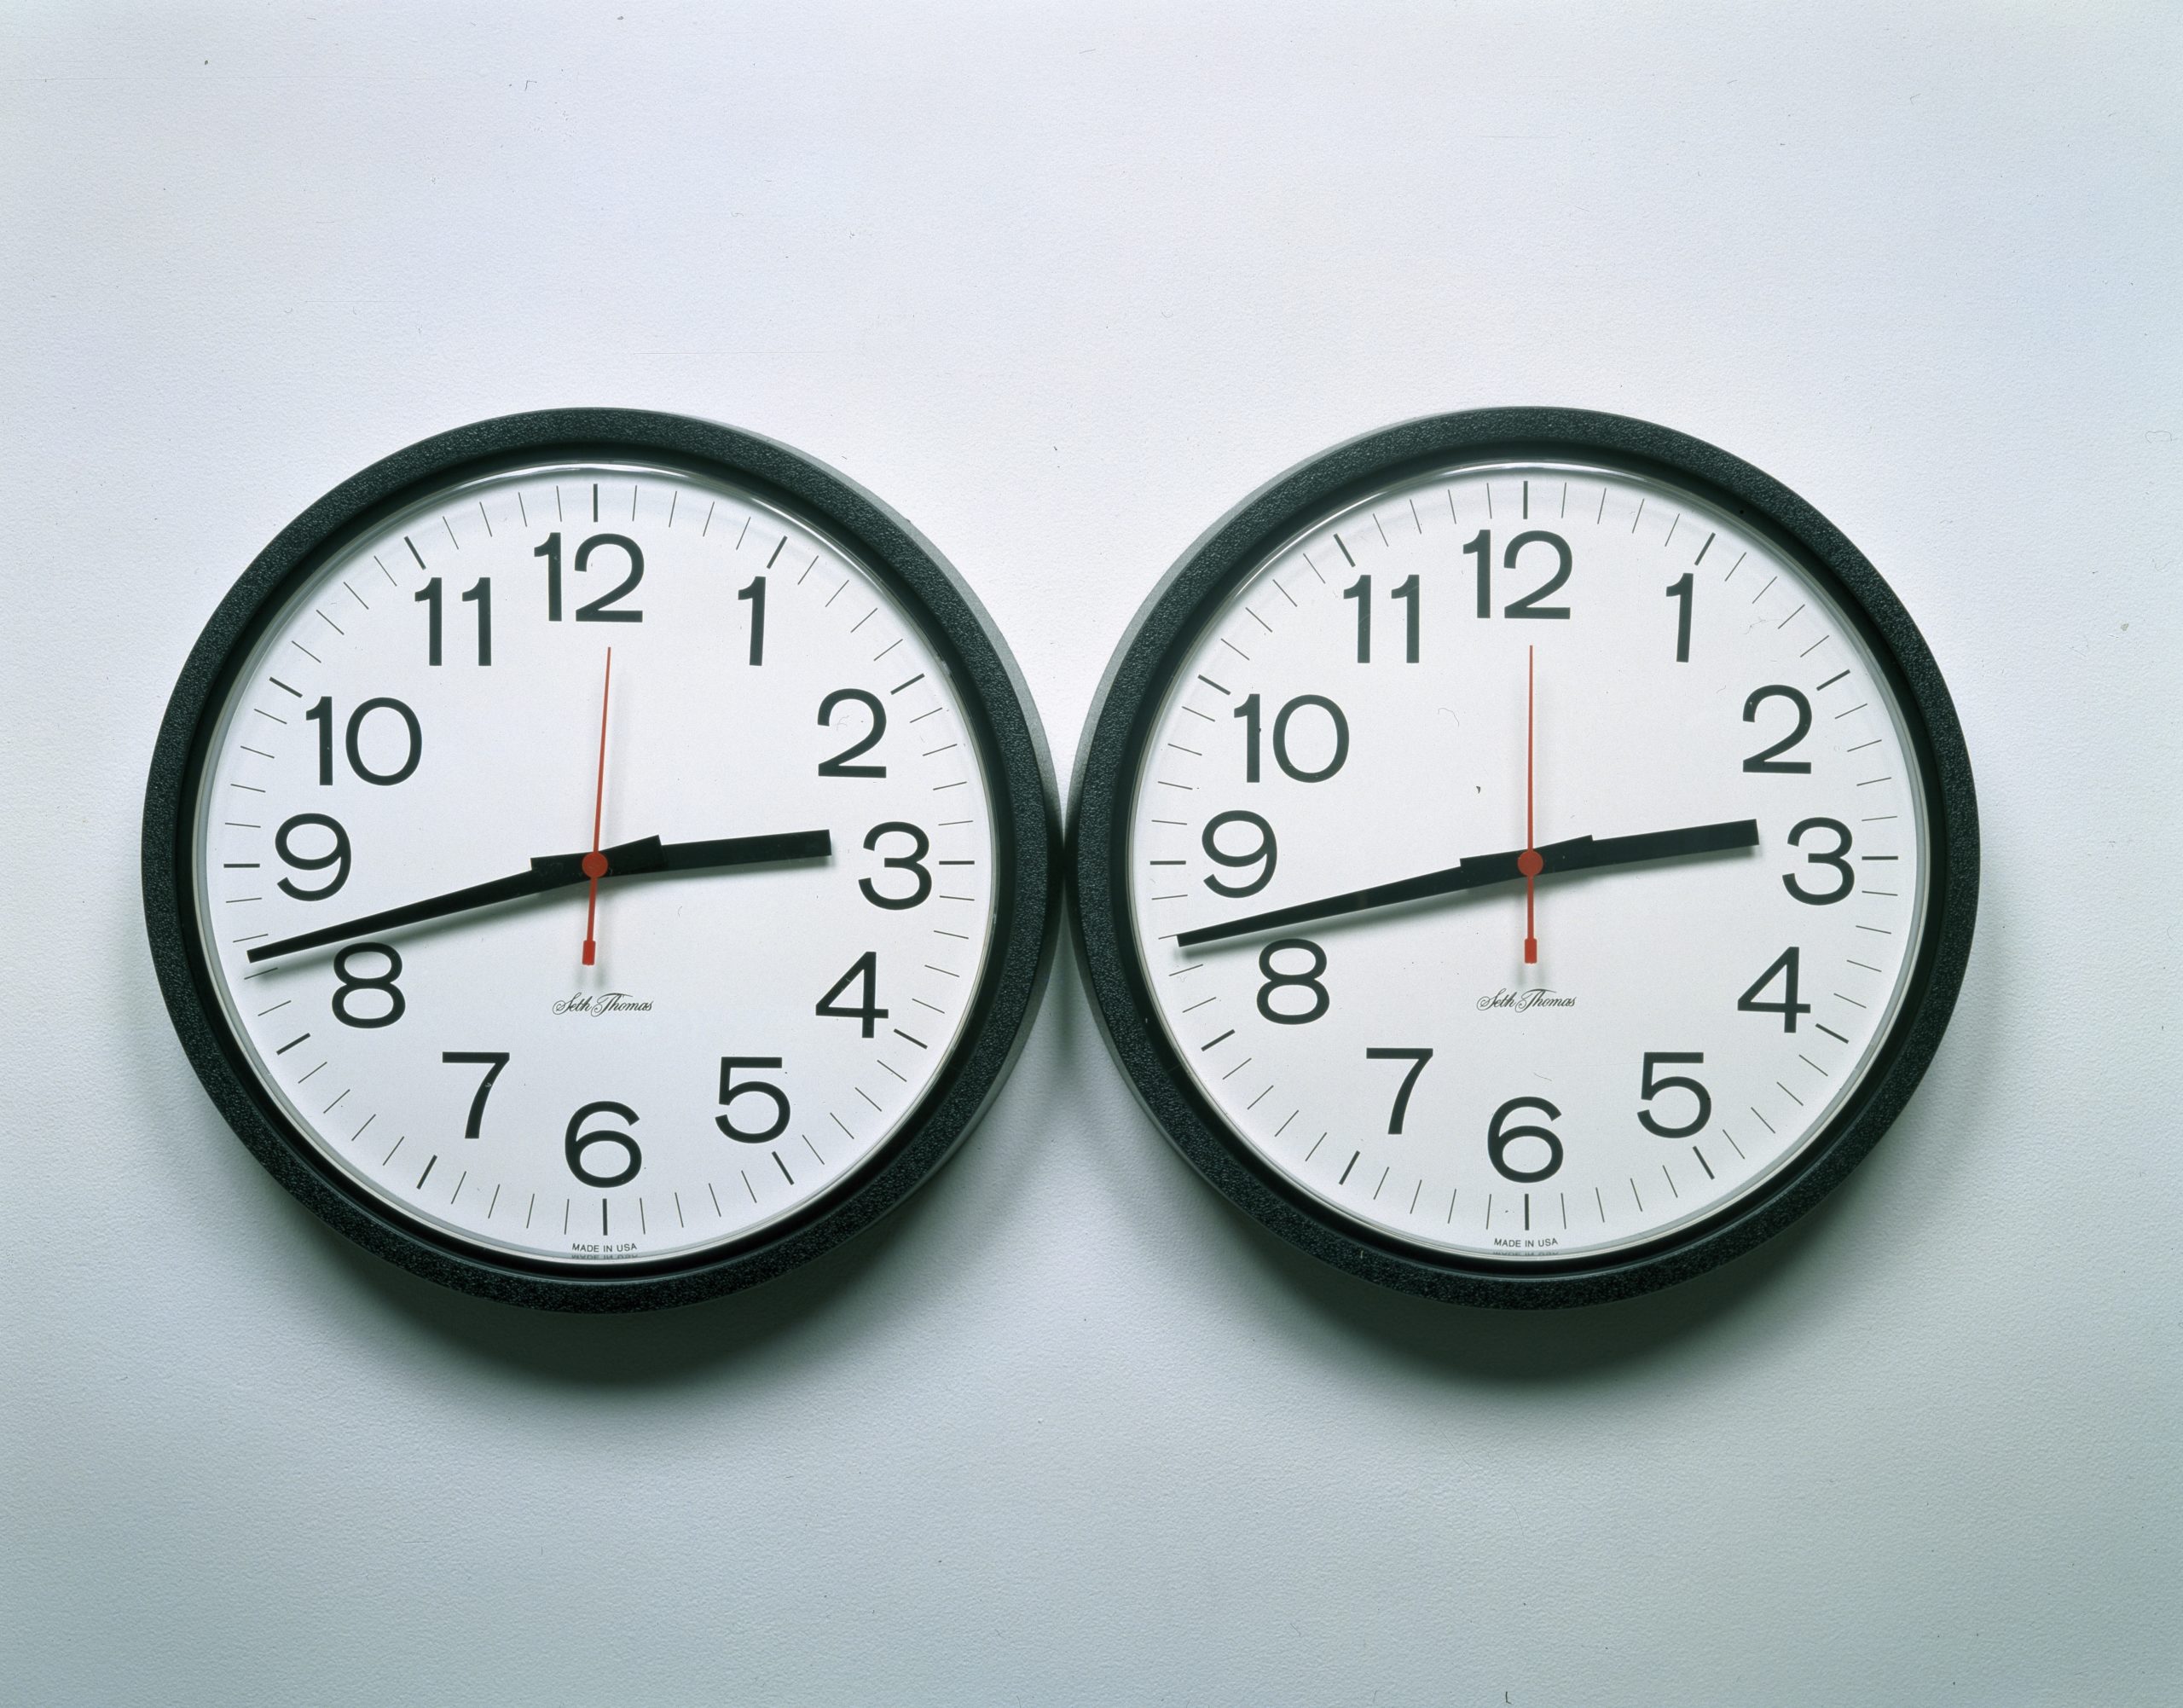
(480, 595)
(1361, 591)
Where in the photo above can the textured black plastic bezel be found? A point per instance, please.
(1011, 744)
(1169, 622)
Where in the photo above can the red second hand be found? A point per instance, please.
(1529, 862)
(594, 863)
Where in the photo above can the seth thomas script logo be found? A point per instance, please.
(1523, 1000)
(606, 1002)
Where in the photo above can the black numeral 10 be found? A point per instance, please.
(322, 714)
(1249, 712)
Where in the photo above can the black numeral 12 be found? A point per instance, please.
(1481, 548)
(598, 609)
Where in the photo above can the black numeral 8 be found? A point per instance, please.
(381, 983)
(1308, 980)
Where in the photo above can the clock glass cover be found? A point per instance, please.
(599, 857)
(1524, 856)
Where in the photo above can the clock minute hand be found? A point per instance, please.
(1577, 854)
(565, 871)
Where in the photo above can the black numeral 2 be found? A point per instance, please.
(1764, 759)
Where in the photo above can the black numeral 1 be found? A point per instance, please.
(1407, 591)
(1361, 591)
(551, 551)
(1681, 590)
(756, 593)
(482, 596)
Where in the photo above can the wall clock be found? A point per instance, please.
(599, 858)
(1524, 857)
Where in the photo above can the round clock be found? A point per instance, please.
(1524, 857)
(599, 858)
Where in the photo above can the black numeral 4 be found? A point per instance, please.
(1784, 967)
(865, 971)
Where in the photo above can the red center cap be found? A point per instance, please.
(1530, 862)
(594, 865)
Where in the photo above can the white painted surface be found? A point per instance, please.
(1062, 288)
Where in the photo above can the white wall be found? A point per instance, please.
(1061, 286)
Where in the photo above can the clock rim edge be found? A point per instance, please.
(1170, 619)
(997, 706)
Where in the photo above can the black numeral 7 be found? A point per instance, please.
(492, 1060)
(1417, 1059)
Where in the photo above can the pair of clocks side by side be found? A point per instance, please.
(1524, 857)
(598, 859)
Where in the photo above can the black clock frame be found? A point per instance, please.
(1169, 622)
(998, 710)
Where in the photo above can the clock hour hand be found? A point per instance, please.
(1577, 854)
(565, 871)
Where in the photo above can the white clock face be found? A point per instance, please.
(1470, 665)
(734, 1029)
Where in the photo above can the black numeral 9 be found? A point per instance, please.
(338, 856)
(1260, 854)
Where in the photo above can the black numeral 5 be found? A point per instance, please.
(1648, 1088)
